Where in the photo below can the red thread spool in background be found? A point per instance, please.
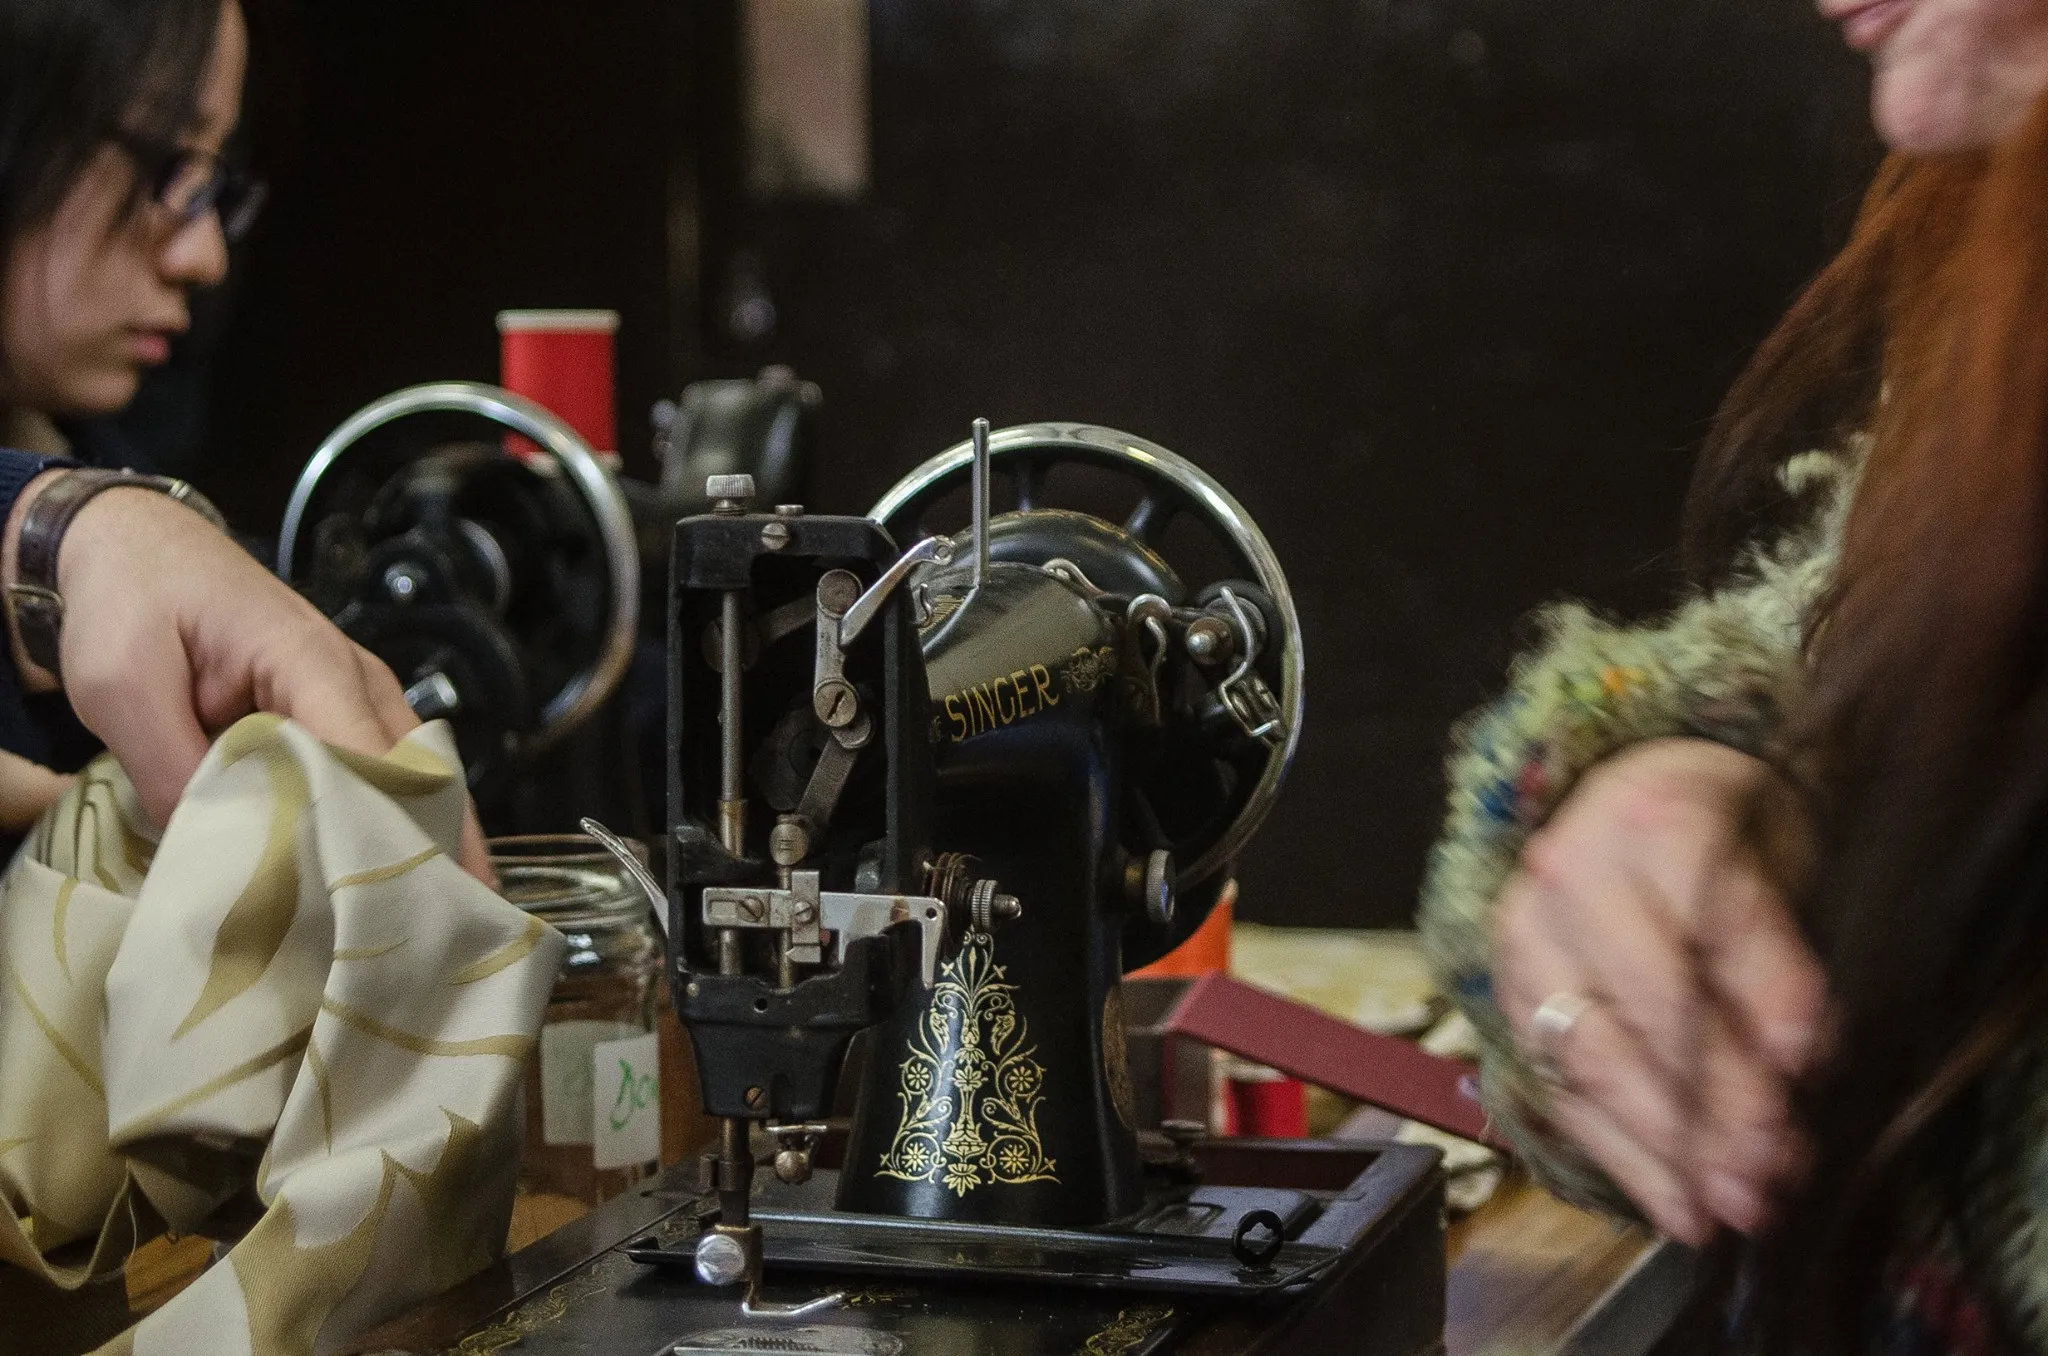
(563, 361)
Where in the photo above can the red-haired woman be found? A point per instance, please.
(1750, 905)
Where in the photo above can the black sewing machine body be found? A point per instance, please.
(935, 788)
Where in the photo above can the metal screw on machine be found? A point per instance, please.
(1209, 640)
(1149, 881)
(838, 591)
(836, 703)
(775, 536)
(403, 582)
(433, 696)
(720, 1260)
(789, 842)
(729, 493)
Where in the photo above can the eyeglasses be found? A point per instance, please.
(189, 182)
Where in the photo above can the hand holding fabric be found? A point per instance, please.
(172, 633)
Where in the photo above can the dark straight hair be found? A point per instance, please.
(75, 73)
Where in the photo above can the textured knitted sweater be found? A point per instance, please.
(1719, 666)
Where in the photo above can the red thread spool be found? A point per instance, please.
(562, 360)
(1267, 1104)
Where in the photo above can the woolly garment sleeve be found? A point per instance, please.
(1719, 667)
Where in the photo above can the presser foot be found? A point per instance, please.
(731, 1254)
(751, 1307)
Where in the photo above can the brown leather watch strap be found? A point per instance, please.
(32, 600)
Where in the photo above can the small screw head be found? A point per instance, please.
(836, 703)
(720, 1260)
(775, 536)
(792, 1166)
(753, 908)
(838, 591)
(757, 1098)
(403, 582)
(1208, 640)
(789, 842)
(804, 915)
(789, 510)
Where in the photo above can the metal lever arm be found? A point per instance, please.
(932, 551)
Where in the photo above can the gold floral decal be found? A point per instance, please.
(1089, 669)
(1128, 1332)
(531, 1317)
(970, 1086)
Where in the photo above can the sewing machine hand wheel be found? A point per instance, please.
(1268, 710)
(504, 594)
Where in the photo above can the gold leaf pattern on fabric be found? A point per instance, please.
(317, 1066)
(113, 1132)
(377, 875)
(511, 1047)
(505, 957)
(404, 773)
(144, 1126)
(363, 953)
(58, 916)
(259, 919)
(65, 1050)
(290, 1290)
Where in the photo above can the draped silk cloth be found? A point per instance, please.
(293, 1021)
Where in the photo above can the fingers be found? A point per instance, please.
(1772, 982)
(475, 855)
(1625, 932)
(149, 726)
(387, 698)
(1703, 1124)
(27, 790)
(1646, 1179)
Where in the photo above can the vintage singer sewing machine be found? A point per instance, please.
(944, 789)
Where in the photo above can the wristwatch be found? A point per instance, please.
(34, 604)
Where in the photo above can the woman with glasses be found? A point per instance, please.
(115, 205)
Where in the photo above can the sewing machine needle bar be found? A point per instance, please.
(981, 472)
(732, 805)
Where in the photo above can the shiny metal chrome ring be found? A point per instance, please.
(581, 696)
(1057, 442)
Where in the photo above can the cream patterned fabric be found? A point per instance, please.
(294, 1013)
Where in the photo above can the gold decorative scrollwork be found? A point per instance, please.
(1128, 1332)
(1088, 669)
(970, 1087)
(531, 1317)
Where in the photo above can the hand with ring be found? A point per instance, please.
(1653, 973)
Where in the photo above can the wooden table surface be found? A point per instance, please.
(1525, 1269)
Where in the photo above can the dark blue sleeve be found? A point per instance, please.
(34, 727)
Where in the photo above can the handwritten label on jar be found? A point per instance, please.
(625, 1080)
(568, 1092)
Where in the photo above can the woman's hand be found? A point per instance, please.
(172, 633)
(1701, 1002)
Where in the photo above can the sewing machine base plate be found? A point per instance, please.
(1376, 1287)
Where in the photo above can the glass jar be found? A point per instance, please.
(592, 1091)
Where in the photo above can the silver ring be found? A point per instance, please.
(1552, 1021)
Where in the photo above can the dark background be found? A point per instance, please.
(1444, 290)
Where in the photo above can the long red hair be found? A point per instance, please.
(1922, 723)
